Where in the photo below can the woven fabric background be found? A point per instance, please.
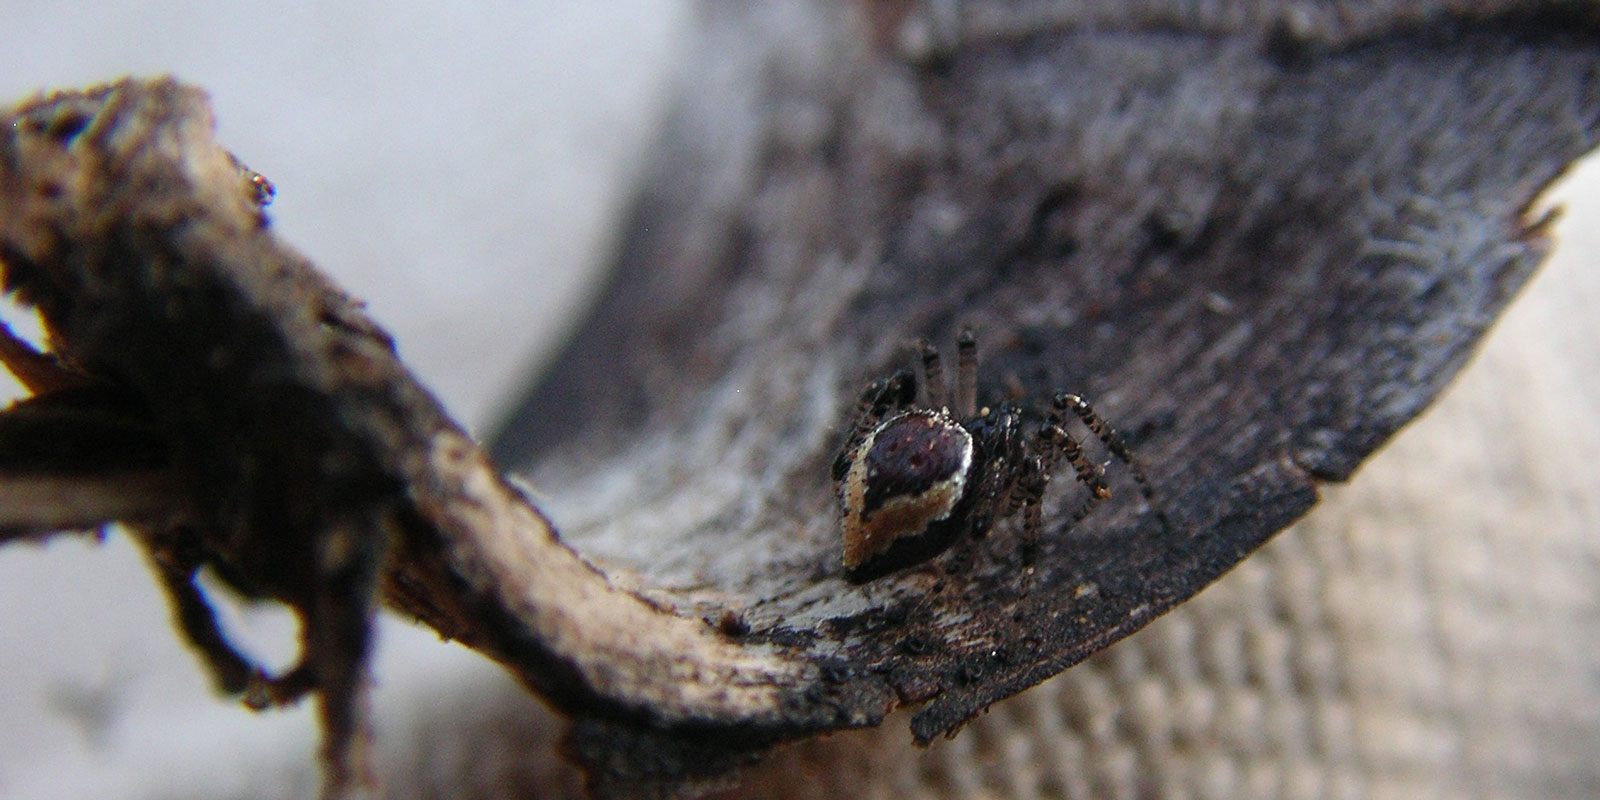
(1430, 630)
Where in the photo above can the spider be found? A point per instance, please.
(912, 478)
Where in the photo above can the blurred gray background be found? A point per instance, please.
(461, 167)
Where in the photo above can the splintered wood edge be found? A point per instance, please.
(670, 668)
(479, 561)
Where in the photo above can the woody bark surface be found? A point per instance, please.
(1260, 240)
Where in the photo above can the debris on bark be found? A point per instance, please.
(1261, 242)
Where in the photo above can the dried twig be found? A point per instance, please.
(1241, 235)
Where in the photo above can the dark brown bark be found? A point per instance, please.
(1260, 241)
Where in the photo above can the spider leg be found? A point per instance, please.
(1107, 434)
(878, 400)
(1063, 445)
(966, 374)
(1032, 522)
(1055, 443)
(933, 386)
(1028, 485)
(1027, 496)
(1026, 493)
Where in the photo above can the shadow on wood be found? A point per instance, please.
(1260, 243)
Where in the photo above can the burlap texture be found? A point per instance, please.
(1429, 631)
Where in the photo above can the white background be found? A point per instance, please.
(456, 165)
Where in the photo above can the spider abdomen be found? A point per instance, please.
(906, 478)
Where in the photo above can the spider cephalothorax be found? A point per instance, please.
(913, 477)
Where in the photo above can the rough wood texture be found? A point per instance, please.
(1259, 238)
(300, 458)
(279, 410)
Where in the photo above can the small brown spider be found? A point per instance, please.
(912, 478)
